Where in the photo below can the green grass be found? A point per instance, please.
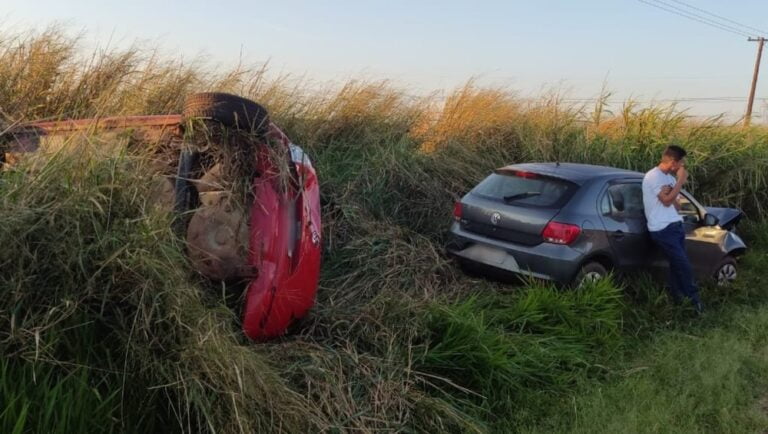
(679, 372)
(37, 397)
(508, 353)
(698, 379)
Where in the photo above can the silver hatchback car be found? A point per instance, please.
(568, 222)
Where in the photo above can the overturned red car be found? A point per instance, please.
(265, 236)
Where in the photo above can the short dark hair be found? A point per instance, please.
(675, 152)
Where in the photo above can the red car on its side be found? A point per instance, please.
(271, 240)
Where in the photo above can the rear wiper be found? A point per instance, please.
(517, 196)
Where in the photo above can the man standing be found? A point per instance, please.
(660, 190)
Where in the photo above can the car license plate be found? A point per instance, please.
(485, 254)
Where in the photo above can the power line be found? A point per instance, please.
(686, 13)
(695, 17)
(719, 16)
(701, 17)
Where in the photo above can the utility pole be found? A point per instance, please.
(760, 42)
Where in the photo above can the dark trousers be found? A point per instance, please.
(671, 241)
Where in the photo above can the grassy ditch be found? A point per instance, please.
(104, 326)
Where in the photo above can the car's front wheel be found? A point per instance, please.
(229, 110)
(590, 272)
(726, 271)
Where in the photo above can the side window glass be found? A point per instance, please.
(688, 210)
(623, 201)
(605, 205)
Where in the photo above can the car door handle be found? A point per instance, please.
(617, 234)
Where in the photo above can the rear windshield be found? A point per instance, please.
(535, 191)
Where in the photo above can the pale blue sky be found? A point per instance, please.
(525, 45)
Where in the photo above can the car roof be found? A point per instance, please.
(578, 173)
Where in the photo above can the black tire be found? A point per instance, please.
(590, 271)
(726, 271)
(229, 110)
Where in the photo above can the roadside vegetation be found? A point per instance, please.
(105, 327)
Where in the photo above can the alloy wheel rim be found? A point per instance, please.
(726, 274)
(591, 276)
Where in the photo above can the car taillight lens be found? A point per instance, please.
(457, 211)
(524, 174)
(560, 233)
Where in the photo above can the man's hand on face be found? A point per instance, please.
(682, 175)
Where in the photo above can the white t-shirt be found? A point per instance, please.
(658, 215)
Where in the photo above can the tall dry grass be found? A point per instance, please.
(46, 75)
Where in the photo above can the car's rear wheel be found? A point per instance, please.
(726, 271)
(590, 272)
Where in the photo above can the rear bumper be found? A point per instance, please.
(544, 261)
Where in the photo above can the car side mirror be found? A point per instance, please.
(711, 220)
(687, 218)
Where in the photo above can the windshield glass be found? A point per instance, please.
(525, 191)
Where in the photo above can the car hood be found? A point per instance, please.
(728, 217)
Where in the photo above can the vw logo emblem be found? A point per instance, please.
(495, 218)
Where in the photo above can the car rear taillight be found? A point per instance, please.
(524, 174)
(457, 211)
(560, 233)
